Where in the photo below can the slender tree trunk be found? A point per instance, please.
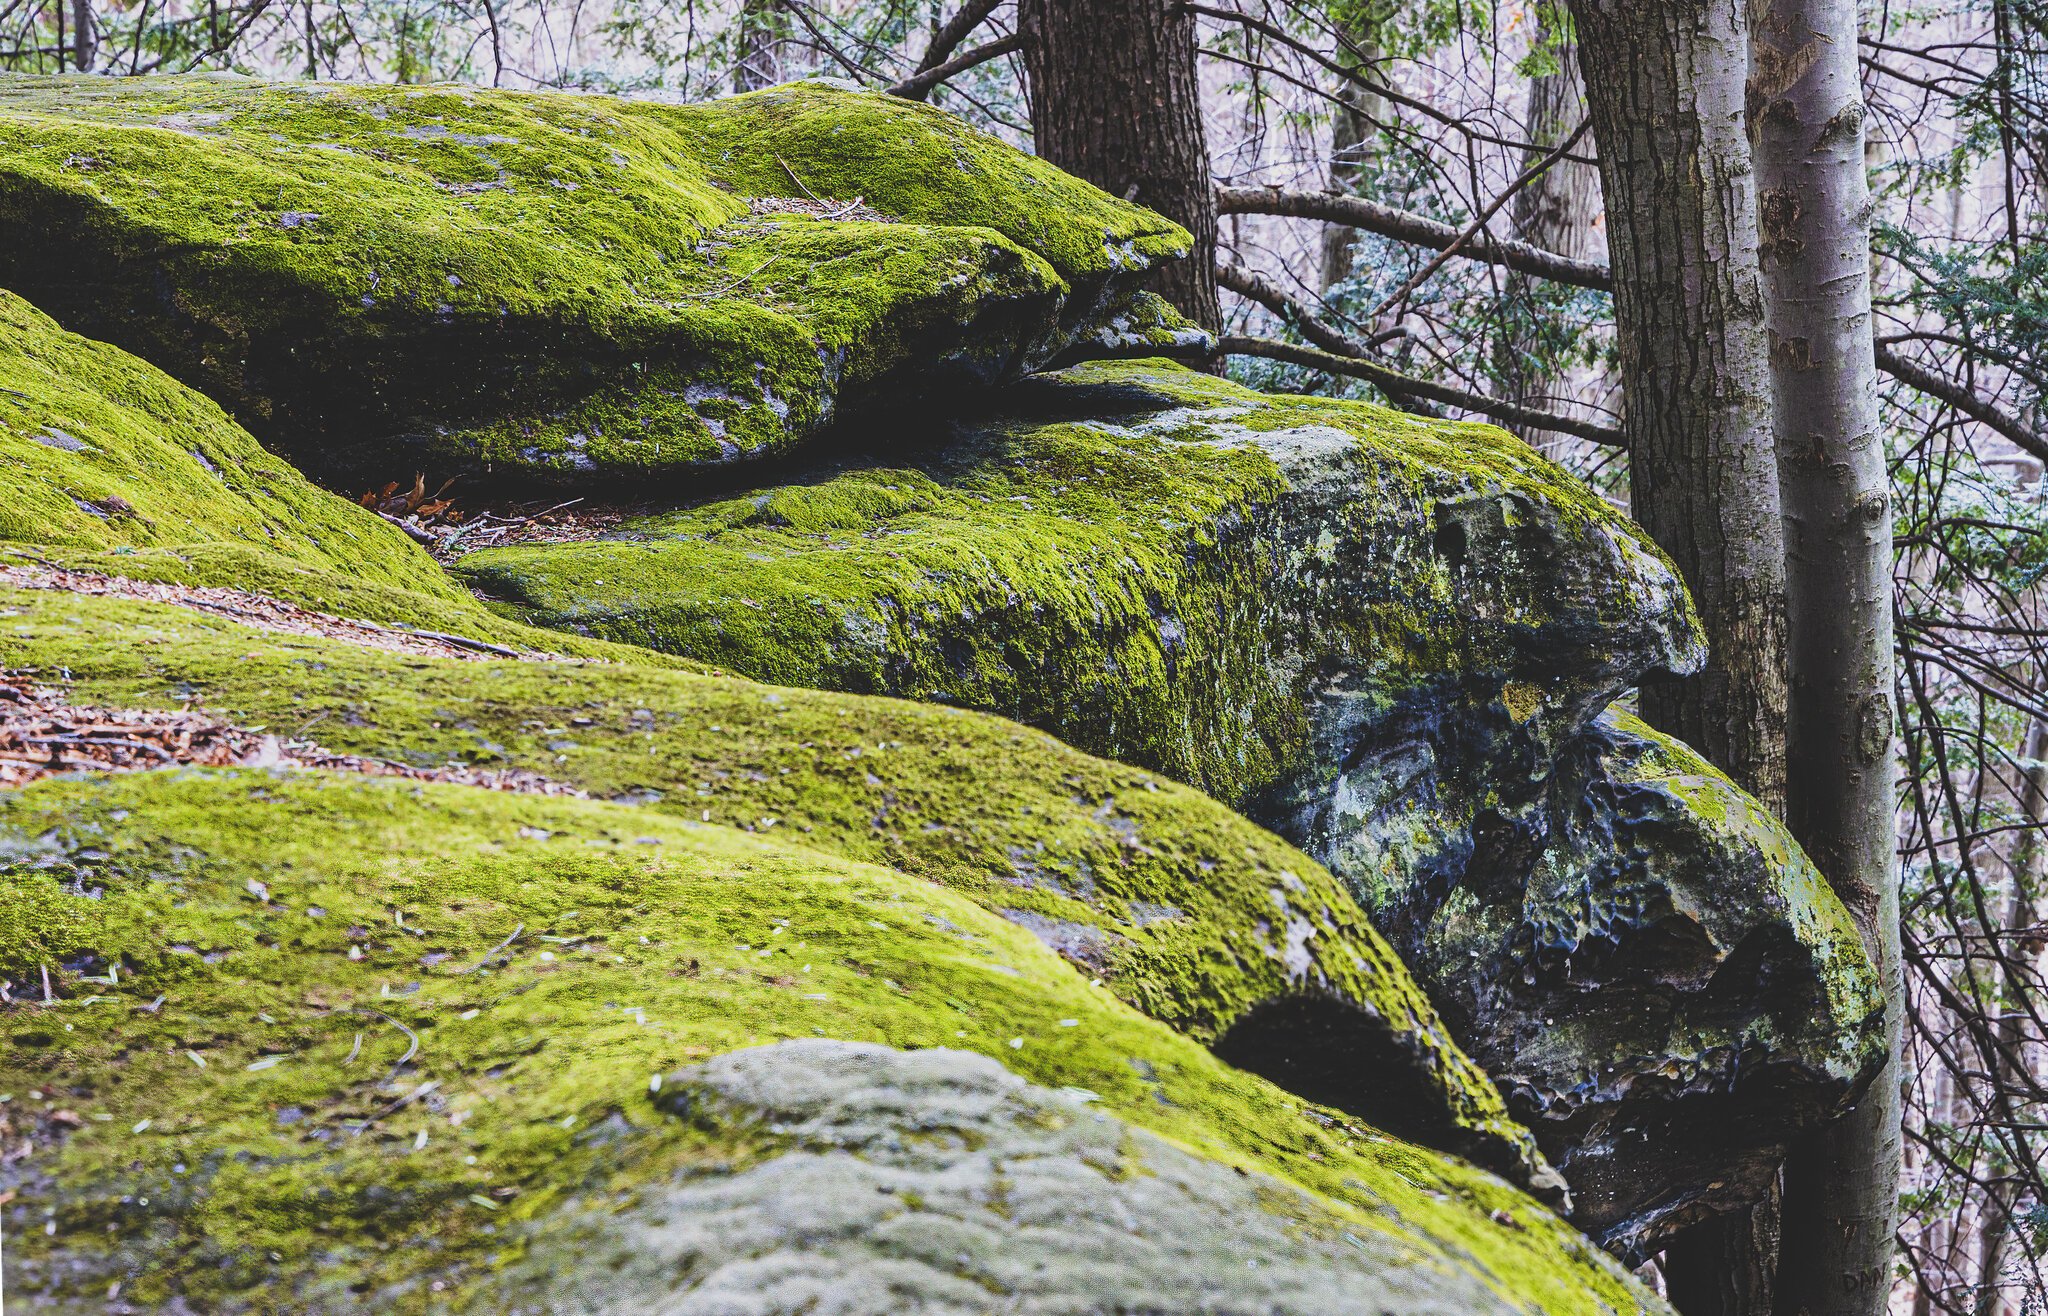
(1807, 117)
(1354, 149)
(756, 62)
(1665, 86)
(85, 35)
(1114, 99)
(2029, 868)
(1555, 212)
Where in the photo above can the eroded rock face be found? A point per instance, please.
(572, 287)
(925, 1182)
(324, 1042)
(1670, 997)
(1387, 638)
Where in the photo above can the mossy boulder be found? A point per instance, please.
(1671, 997)
(101, 452)
(566, 287)
(1178, 906)
(1385, 637)
(110, 465)
(1270, 598)
(321, 1042)
(928, 1181)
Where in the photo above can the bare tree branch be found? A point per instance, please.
(1942, 389)
(1247, 284)
(951, 33)
(1393, 381)
(1418, 230)
(919, 85)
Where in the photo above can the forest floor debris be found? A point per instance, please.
(43, 734)
(265, 612)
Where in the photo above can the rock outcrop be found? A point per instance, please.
(386, 987)
(569, 287)
(325, 1038)
(1670, 997)
(320, 1042)
(1386, 638)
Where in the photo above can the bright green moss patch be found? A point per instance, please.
(323, 1043)
(564, 286)
(100, 451)
(1173, 580)
(1186, 911)
(921, 164)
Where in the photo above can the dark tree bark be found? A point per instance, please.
(758, 61)
(1114, 100)
(1665, 89)
(1806, 114)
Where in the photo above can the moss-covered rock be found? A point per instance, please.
(110, 465)
(102, 452)
(328, 1043)
(1671, 997)
(1181, 908)
(1307, 608)
(928, 1181)
(1386, 638)
(565, 286)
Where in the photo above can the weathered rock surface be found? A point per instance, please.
(1384, 637)
(571, 287)
(925, 1182)
(1670, 997)
(1187, 912)
(320, 1042)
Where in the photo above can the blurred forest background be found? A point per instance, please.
(1408, 208)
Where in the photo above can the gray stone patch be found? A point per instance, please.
(937, 1182)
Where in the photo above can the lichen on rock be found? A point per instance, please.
(1671, 997)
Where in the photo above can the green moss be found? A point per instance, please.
(319, 1039)
(922, 164)
(546, 283)
(1184, 909)
(112, 466)
(100, 451)
(1174, 581)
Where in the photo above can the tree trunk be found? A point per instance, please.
(757, 61)
(1667, 109)
(1807, 115)
(85, 35)
(1114, 100)
(1354, 148)
(1555, 212)
(2029, 867)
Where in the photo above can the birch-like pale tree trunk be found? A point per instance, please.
(1806, 113)
(1665, 88)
